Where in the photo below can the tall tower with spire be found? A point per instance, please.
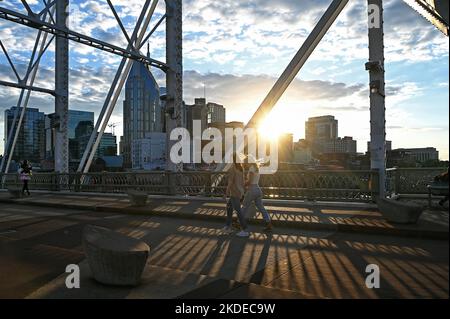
(141, 108)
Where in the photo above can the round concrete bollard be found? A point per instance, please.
(113, 258)
(399, 212)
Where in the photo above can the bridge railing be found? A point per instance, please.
(410, 180)
(311, 185)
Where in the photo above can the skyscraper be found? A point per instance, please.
(321, 128)
(31, 140)
(322, 137)
(216, 113)
(197, 112)
(77, 119)
(141, 108)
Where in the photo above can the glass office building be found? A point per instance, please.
(31, 140)
(141, 108)
(76, 118)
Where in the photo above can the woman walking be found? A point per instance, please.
(254, 195)
(25, 175)
(235, 191)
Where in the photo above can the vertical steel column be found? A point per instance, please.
(174, 56)
(62, 90)
(375, 66)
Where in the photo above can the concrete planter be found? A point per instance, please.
(138, 199)
(113, 258)
(400, 212)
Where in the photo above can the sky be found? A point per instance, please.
(237, 49)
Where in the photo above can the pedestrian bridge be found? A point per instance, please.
(341, 186)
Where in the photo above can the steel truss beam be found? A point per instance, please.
(25, 94)
(293, 68)
(116, 88)
(36, 23)
(27, 87)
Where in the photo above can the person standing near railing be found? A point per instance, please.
(235, 191)
(25, 173)
(254, 195)
(442, 178)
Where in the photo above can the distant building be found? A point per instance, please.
(340, 145)
(216, 113)
(207, 113)
(321, 128)
(31, 140)
(221, 126)
(113, 163)
(76, 120)
(322, 136)
(302, 153)
(107, 146)
(142, 112)
(197, 112)
(149, 153)
(286, 148)
(419, 155)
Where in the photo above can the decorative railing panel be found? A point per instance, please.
(311, 185)
(411, 180)
(319, 185)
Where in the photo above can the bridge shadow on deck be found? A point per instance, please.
(191, 258)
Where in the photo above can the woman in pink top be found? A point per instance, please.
(235, 191)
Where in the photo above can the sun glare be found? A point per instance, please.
(272, 127)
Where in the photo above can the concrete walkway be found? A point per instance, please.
(191, 258)
(316, 216)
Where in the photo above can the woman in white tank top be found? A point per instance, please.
(254, 195)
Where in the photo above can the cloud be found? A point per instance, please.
(238, 49)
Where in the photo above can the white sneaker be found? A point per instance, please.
(227, 230)
(243, 233)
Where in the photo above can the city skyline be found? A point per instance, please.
(332, 82)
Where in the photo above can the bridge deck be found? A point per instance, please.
(321, 216)
(190, 258)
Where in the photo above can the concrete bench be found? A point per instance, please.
(400, 212)
(137, 198)
(113, 258)
(437, 189)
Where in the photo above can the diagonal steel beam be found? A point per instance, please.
(112, 89)
(38, 60)
(27, 7)
(46, 10)
(11, 141)
(118, 89)
(293, 68)
(125, 33)
(10, 61)
(435, 11)
(153, 30)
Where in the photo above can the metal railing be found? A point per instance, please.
(310, 185)
(410, 180)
